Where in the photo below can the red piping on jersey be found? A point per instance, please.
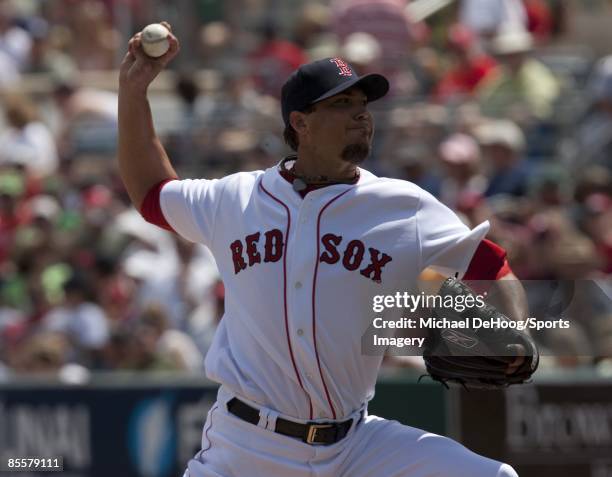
(297, 374)
(314, 287)
(206, 432)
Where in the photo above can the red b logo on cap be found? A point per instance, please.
(345, 70)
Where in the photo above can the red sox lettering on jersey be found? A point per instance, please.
(246, 253)
(300, 273)
(299, 276)
(273, 249)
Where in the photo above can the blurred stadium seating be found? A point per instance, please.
(86, 286)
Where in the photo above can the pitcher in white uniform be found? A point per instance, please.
(302, 248)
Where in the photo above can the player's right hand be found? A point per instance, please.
(138, 70)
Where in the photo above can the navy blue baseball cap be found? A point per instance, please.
(322, 79)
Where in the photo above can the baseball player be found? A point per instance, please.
(302, 248)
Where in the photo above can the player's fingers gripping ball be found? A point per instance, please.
(154, 40)
(476, 356)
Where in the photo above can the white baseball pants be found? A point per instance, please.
(376, 447)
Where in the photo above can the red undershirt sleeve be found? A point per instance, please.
(150, 209)
(488, 263)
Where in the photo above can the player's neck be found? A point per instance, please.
(311, 165)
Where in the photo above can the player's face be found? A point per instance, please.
(342, 126)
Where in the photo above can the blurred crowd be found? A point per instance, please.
(491, 110)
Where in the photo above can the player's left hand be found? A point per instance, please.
(515, 365)
(488, 357)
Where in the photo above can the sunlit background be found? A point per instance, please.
(500, 108)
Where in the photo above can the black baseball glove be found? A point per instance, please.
(475, 357)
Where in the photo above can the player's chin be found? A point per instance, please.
(357, 152)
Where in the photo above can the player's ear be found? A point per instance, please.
(297, 121)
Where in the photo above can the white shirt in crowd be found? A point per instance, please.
(491, 16)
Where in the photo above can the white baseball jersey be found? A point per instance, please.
(300, 276)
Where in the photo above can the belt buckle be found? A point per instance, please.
(312, 433)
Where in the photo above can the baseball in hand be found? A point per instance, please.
(154, 40)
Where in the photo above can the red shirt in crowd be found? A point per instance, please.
(539, 18)
(463, 79)
(273, 62)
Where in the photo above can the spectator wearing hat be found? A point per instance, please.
(43, 56)
(594, 135)
(464, 181)
(15, 42)
(469, 65)
(174, 346)
(80, 319)
(503, 144)
(83, 109)
(27, 140)
(311, 30)
(363, 51)
(94, 37)
(385, 20)
(273, 60)
(388, 22)
(40, 353)
(521, 87)
(488, 17)
(411, 162)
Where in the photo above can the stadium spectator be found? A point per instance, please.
(87, 118)
(463, 179)
(596, 222)
(94, 41)
(412, 163)
(521, 87)
(551, 212)
(594, 133)
(387, 22)
(44, 57)
(172, 345)
(363, 52)
(27, 140)
(116, 355)
(80, 320)
(115, 290)
(15, 42)
(489, 17)
(539, 19)
(312, 27)
(503, 145)
(274, 60)
(41, 353)
(469, 65)
(150, 346)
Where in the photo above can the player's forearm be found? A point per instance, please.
(512, 297)
(143, 162)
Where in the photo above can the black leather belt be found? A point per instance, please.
(314, 433)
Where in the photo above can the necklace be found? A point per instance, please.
(300, 182)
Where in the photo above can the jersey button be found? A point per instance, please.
(298, 285)
(300, 332)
